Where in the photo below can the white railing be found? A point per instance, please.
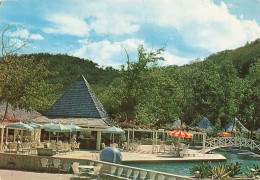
(106, 172)
(240, 142)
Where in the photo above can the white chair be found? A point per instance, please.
(75, 168)
(103, 145)
(135, 174)
(162, 148)
(143, 175)
(65, 168)
(91, 163)
(119, 171)
(95, 172)
(161, 177)
(113, 170)
(53, 141)
(56, 164)
(77, 146)
(152, 175)
(129, 171)
(43, 164)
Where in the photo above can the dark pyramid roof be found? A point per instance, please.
(234, 127)
(78, 101)
(205, 124)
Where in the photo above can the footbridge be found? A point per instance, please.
(222, 142)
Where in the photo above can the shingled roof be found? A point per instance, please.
(78, 101)
(205, 124)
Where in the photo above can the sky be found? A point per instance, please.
(99, 29)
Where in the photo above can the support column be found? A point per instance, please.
(203, 142)
(156, 141)
(133, 136)
(98, 140)
(6, 135)
(153, 143)
(128, 137)
(2, 138)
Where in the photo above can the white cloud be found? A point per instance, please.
(108, 53)
(36, 37)
(24, 34)
(16, 43)
(200, 23)
(114, 24)
(66, 24)
(203, 24)
(171, 59)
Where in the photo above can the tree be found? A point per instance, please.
(21, 79)
(249, 109)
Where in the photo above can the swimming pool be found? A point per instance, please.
(183, 168)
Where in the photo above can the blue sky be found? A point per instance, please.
(97, 30)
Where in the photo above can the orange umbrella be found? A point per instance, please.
(224, 134)
(180, 133)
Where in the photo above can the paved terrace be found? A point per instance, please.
(195, 155)
(29, 163)
(16, 175)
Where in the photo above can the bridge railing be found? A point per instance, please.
(233, 142)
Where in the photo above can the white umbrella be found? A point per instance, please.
(57, 128)
(114, 130)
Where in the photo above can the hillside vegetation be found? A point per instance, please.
(223, 86)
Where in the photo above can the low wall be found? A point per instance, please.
(30, 163)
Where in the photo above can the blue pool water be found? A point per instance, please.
(183, 168)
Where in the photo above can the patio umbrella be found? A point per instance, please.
(74, 127)
(224, 134)
(114, 130)
(180, 134)
(46, 126)
(20, 125)
(35, 126)
(57, 128)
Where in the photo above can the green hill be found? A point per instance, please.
(223, 86)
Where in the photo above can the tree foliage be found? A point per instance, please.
(221, 87)
(22, 81)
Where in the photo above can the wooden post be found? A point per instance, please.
(98, 140)
(153, 143)
(156, 140)
(133, 136)
(128, 137)
(203, 142)
(2, 138)
(6, 135)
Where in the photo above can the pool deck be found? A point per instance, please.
(135, 157)
(16, 175)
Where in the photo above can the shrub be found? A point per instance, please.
(204, 169)
(220, 172)
(234, 169)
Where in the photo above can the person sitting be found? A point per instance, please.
(73, 144)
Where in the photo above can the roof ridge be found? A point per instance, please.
(95, 100)
(79, 100)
